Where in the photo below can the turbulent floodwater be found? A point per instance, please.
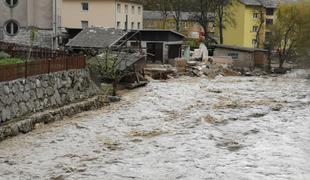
(189, 128)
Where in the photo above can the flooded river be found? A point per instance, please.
(234, 128)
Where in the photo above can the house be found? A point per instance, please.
(247, 15)
(56, 21)
(21, 18)
(243, 57)
(159, 45)
(188, 27)
(117, 14)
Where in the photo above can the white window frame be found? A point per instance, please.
(119, 8)
(82, 3)
(126, 9)
(84, 21)
(255, 29)
(255, 15)
(132, 25)
(139, 25)
(133, 9)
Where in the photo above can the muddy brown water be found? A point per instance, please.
(187, 128)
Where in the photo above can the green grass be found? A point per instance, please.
(6, 61)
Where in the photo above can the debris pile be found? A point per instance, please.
(160, 71)
(209, 69)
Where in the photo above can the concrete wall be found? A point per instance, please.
(38, 13)
(29, 13)
(243, 60)
(18, 13)
(24, 96)
(43, 38)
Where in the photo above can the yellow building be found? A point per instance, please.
(247, 15)
(120, 14)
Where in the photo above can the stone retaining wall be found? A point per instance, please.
(29, 123)
(25, 96)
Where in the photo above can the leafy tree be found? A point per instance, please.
(290, 32)
(108, 66)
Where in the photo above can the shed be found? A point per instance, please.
(243, 57)
(160, 45)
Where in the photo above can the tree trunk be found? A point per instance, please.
(269, 60)
(221, 30)
(114, 84)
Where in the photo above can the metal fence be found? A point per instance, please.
(23, 51)
(43, 61)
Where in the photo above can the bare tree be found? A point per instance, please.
(164, 8)
(205, 15)
(224, 15)
(261, 11)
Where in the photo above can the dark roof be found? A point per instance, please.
(238, 48)
(157, 35)
(265, 3)
(96, 37)
(156, 15)
(127, 60)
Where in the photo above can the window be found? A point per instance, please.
(118, 25)
(84, 6)
(269, 21)
(126, 25)
(139, 10)
(11, 3)
(126, 9)
(268, 36)
(255, 15)
(233, 55)
(119, 8)
(132, 25)
(254, 42)
(84, 24)
(139, 25)
(11, 28)
(133, 9)
(269, 12)
(255, 29)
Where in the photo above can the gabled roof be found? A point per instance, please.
(96, 37)
(265, 3)
(102, 38)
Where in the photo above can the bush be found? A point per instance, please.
(4, 61)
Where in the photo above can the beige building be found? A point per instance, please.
(51, 19)
(120, 14)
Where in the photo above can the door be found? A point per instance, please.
(155, 52)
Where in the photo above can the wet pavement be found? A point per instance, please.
(188, 128)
